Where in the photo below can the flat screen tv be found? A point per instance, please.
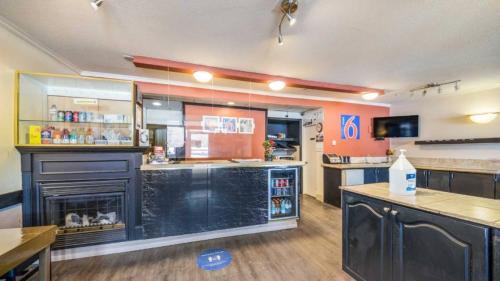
(395, 127)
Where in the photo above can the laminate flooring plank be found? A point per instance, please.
(311, 252)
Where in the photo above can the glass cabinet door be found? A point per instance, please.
(67, 110)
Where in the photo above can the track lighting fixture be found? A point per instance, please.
(291, 19)
(288, 7)
(96, 4)
(435, 85)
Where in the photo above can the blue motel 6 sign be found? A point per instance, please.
(349, 127)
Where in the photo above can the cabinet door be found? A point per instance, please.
(497, 187)
(496, 255)
(382, 175)
(436, 248)
(332, 179)
(421, 178)
(439, 180)
(366, 236)
(473, 184)
(370, 175)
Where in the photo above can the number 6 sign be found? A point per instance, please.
(349, 127)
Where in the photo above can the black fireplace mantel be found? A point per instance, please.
(85, 170)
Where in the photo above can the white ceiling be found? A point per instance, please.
(389, 44)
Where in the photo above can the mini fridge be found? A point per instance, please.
(283, 193)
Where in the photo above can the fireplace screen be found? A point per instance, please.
(90, 212)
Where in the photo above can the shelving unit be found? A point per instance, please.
(459, 141)
(64, 110)
(290, 127)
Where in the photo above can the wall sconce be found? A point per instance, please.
(483, 118)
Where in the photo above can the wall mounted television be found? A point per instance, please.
(395, 127)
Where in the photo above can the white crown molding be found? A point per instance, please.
(222, 88)
(26, 37)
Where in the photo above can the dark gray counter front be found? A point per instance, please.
(202, 199)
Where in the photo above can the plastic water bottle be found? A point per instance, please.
(402, 176)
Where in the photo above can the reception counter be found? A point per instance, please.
(195, 197)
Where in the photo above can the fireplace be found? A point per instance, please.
(86, 212)
(94, 197)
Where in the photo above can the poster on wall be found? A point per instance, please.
(211, 124)
(229, 125)
(349, 127)
(246, 125)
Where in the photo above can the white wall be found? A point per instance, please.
(15, 54)
(445, 117)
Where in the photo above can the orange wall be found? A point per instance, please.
(226, 146)
(365, 146)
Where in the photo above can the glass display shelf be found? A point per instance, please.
(76, 123)
(54, 110)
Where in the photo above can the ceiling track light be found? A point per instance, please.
(96, 4)
(435, 85)
(288, 7)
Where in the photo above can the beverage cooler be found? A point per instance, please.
(283, 193)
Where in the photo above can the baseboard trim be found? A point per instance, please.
(136, 245)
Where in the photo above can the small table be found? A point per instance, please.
(19, 244)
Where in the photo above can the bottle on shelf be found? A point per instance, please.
(53, 113)
(89, 137)
(73, 137)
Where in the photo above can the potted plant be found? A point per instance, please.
(268, 150)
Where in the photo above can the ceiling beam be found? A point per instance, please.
(184, 67)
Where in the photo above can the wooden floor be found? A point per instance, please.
(311, 252)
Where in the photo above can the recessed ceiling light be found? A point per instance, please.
(483, 118)
(96, 4)
(370, 96)
(156, 103)
(277, 85)
(230, 103)
(202, 76)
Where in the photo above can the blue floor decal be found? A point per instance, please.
(214, 259)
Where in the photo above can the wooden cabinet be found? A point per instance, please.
(374, 175)
(437, 248)
(366, 238)
(439, 180)
(475, 184)
(422, 178)
(496, 255)
(332, 180)
(370, 175)
(497, 187)
(383, 241)
(482, 185)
